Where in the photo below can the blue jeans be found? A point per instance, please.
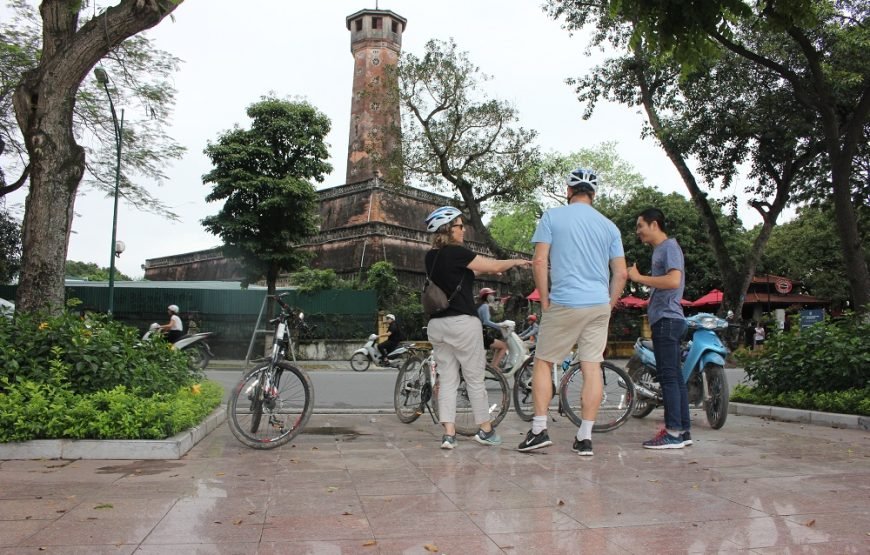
(667, 334)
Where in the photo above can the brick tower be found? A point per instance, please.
(375, 42)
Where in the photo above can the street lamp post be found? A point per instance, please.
(117, 246)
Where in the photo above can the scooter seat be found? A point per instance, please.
(647, 344)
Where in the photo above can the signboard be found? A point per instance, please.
(783, 286)
(811, 316)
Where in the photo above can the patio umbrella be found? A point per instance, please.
(534, 296)
(712, 298)
(630, 301)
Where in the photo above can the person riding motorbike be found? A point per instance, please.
(393, 334)
(490, 338)
(174, 328)
(530, 334)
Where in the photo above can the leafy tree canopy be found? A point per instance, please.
(262, 175)
(91, 272)
(140, 84)
(455, 139)
(10, 246)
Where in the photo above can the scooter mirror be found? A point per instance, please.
(301, 315)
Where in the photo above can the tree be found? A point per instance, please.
(513, 224)
(455, 139)
(10, 247)
(45, 101)
(262, 176)
(91, 272)
(140, 77)
(822, 60)
(801, 250)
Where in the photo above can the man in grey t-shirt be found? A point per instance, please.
(666, 283)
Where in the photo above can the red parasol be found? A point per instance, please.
(534, 296)
(630, 301)
(712, 298)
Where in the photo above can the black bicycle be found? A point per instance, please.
(277, 391)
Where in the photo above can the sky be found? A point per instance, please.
(233, 53)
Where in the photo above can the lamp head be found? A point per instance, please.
(101, 75)
(119, 248)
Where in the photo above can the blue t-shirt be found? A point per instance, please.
(665, 303)
(582, 244)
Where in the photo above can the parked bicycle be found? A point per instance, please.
(277, 390)
(617, 400)
(416, 392)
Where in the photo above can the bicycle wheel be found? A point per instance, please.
(499, 402)
(617, 399)
(285, 399)
(407, 395)
(523, 403)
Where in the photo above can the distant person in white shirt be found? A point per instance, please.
(174, 329)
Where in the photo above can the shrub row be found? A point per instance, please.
(88, 354)
(830, 356)
(852, 401)
(32, 410)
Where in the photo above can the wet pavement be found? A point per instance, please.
(369, 484)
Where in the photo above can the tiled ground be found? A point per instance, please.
(369, 484)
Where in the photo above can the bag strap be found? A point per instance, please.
(429, 279)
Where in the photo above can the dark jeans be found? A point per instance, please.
(387, 347)
(667, 334)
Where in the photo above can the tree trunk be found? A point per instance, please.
(850, 241)
(44, 103)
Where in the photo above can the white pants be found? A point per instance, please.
(457, 341)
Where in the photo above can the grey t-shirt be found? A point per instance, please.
(665, 303)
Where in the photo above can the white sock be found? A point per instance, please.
(585, 431)
(539, 424)
(675, 434)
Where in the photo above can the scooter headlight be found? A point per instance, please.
(708, 322)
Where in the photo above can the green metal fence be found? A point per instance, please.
(230, 313)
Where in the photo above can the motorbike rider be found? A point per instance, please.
(393, 334)
(531, 332)
(485, 297)
(174, 328)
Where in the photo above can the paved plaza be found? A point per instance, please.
(365, 483)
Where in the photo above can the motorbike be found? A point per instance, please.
(703, 369)
(517, 352)
(194, 345)
(363, 357)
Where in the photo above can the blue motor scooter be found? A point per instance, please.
(703, 369)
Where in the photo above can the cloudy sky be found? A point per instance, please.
(235, 52)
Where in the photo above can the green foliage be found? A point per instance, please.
(381, 278)
(10, 245)
(830, 356)
(262, 175)
(310, 280)
(850, 401)
(805, 249)
(513, 225)
(88, 354)
(33, 410)
(91, 272)
(702, 272)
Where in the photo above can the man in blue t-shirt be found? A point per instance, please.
(583, 252)
(666, 283)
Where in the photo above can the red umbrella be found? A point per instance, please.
(630, 301)
(534, 296)
(685, 302)
(714, 297)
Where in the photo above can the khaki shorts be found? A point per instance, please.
(564, 327)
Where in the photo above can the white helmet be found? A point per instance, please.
(441, 216)
(390, 317)
(583, 179)
(173, 308)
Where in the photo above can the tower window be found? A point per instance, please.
(377, 23)
(395, 26)
(358, 24)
